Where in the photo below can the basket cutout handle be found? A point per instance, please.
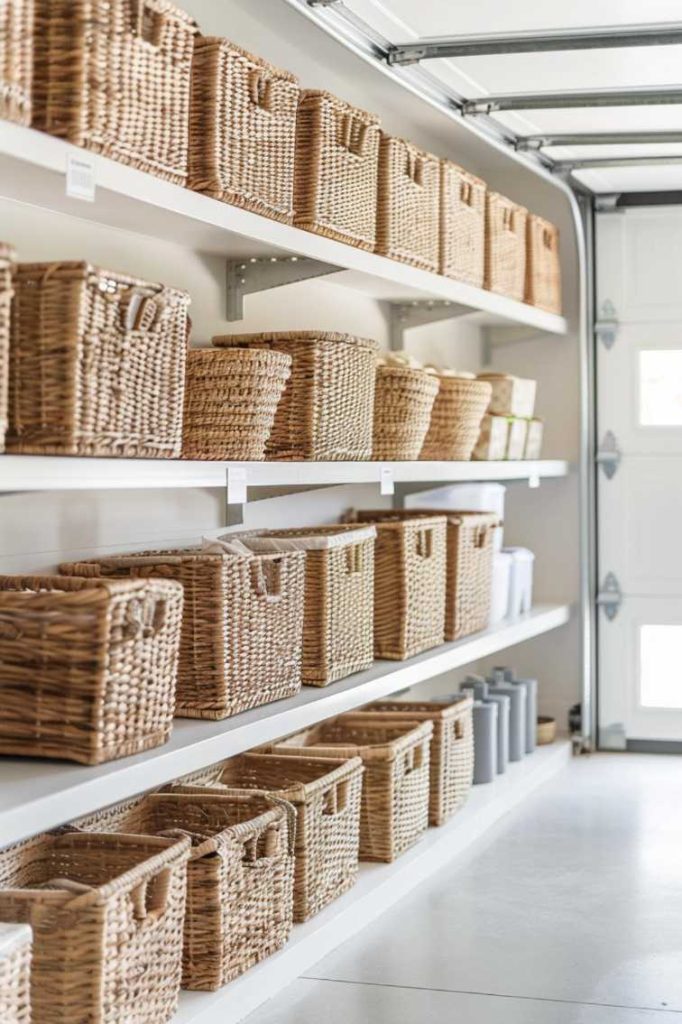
(414, 759)
(150, 897)
(335, 800)
(266, 579)
(507, 218)
(483, 535)
(458, 729)
(353, 559)
(260, 89)
(148, 23)
(424, 542)
(262, 847)
(548, 239)
(466, 192)
(414, 167)
(145, 619)
(351, 134)
(142, 311)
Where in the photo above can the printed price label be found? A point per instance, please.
(386, 480)
(534, 480)
(80, 177)
(236, 485)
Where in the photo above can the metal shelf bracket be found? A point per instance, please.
(403, 315)
(258, 274)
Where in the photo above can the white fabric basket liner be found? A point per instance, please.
(262, 541)
(12, 936)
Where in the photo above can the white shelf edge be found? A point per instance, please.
(36, 795)
(379, 886)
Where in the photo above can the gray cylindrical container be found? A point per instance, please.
(531, 688)
(499, 687)
(480, 690)
(485, 741)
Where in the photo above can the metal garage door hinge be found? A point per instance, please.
(606, 324)
(609, 455)
(610, 596)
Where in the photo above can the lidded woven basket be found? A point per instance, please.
(6, 292)
(403, 400)
(16, 60)
(543, 270)
(15, 973)
(408, 206)
(505, 246)
(456, 418)
(462, 225)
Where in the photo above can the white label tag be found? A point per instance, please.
(236, 485)
(386, 480)
(534, 480)
(80, 177)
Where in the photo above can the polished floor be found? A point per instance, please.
(569, 912)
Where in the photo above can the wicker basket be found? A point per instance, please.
(543, 271)
(395, 788)
(15, 973)
(114, 76)
(107, 915)
(242, 624)
(326, 794)
(87, 667)
(339, 582)
(242, 129)
(546, 730)
(462, 225)
(452, 748)
(456, 419)
(403, 401)
(231, 398)
(97, 363)
(16, 60)
(409, 582)
(239, 877)
(408, 204)
(505, 246)
(6, 292)
(327, 407)
(337, 162)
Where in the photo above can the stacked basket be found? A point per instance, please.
(6, 265)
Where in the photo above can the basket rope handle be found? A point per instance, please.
(150, 897)
(143, 310)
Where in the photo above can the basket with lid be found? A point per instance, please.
(408, 205)
(403, 400)
(462, 225)
(15, 973)
(505, 246)
(456, 417)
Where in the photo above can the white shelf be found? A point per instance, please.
(379, 886)
(53, 472)
(32, 170)
(36, 795)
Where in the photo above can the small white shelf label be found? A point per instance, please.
(386, 481)
(534, 480)
(236, 485)
(80, 177)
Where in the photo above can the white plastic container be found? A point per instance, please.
(484, 497)
(521, 581)
(499, 603)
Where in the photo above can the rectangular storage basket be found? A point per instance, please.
(106, 913)
(114, 77)
(338, 601)
(15, 974)
(327, 408)
(16, 60)
(239, 876)
(462, 225)
(242, 624)
(408, 204)
(543, 270)
(337, 161)
(97, 363)
(395, 788)
(242, 129)
(6, 292)
(87, 667)
(505, 247)
(452, 748)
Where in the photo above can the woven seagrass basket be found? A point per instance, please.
(462, 225)
(326, 411)
(114, 77)
(87, 667)
(395, 788)
(16, 60)
(231, 397)
(97, 363)
(543, 270)
(403, 400)
(337, 162)
(106, 913)
(505, 246)
(456, 418)
(241, 639)
(15, 974)
(408, 204)
(242, 129)
(6, 292)
(239, 876)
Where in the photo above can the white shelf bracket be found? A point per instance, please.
(403, 315)
(259, 274)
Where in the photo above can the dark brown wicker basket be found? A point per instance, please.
(6, 291)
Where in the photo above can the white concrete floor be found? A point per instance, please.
(569, 912)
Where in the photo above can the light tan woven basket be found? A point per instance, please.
(16, 60)
(505, 246)
(242, 129)
(452, 748)
(403, 400)
(6, 292)
(338, 604)
(337, 161)
(462, 225)
(231, 398)
(395, 788)
(239, 877)
(87, 667)
(114, 76)
(241, 627)
(456, 419)
(326, 411)
(408, 204)
(107, 915)
(543, 270)
(97, 363)
(15, 974)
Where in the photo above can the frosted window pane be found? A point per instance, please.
(660, 660)
(660, 388)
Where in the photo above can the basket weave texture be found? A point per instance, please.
(15, 974)
(462, 225)
(242, 129)
(114, 77)
(456, 418)
(16, 60)
(403, 401)
(408, 204)
(97, 363)
(231, 398)
(505, 247)
(395, 789)
(326, 411)
(543, 270)
(239, 876)
(87, 667)
(242, 624)
(6, 292)
(106, 913)
(337, 161)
